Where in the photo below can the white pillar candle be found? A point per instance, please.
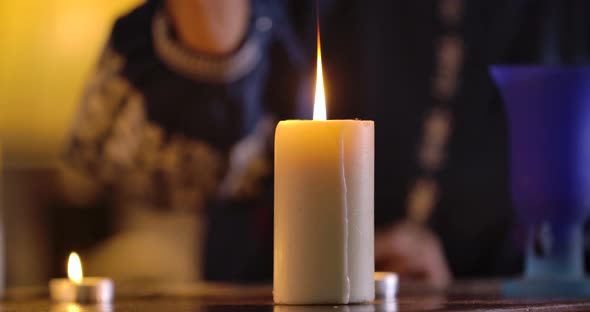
(323, 222)
(323, 226)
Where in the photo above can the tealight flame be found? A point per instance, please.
(319, 106)
(75, 268)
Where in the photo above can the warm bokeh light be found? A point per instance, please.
(48, 50)
(73, 307)
(319, 105)
(75, 268)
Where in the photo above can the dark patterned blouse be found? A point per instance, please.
(168, 129)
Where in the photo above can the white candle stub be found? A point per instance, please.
(77, 288)
(386, 284)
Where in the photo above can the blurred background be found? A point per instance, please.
(48, 49)
(418, 68)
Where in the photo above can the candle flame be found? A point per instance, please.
(319, 106)
(75, 268)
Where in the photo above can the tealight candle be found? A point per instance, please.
(323, 209)
(77, 288)
(386, 284)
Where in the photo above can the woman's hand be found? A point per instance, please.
(413, 252)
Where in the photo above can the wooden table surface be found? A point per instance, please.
(464, 296)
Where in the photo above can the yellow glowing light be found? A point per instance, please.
(319, 106)
(75, 268)
(72, 307)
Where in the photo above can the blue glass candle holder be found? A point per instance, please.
(548, 110)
